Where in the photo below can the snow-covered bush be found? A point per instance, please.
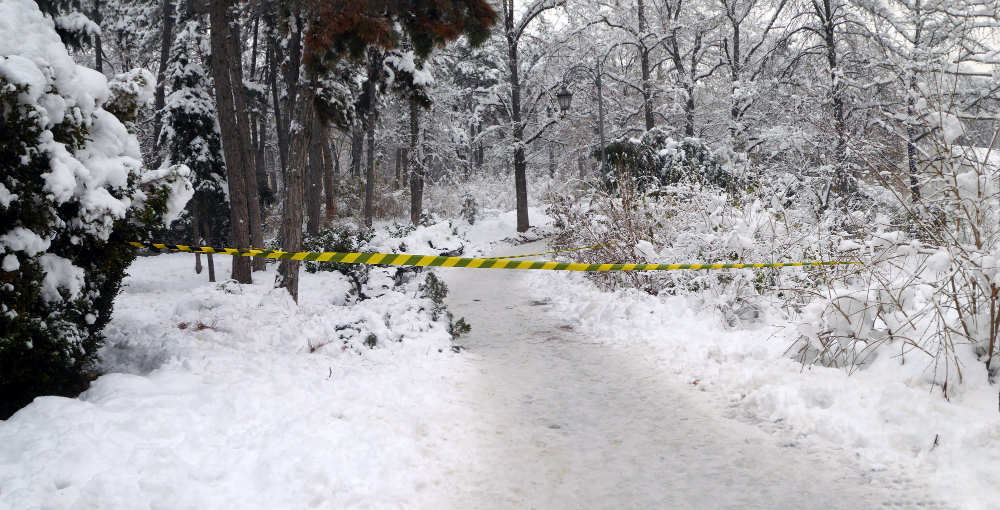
(72, 193)
(695, 223)
(656, 159)
(469, 209)
(930, 293)
(341, 238)
(434, 289)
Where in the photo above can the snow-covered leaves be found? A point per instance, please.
(131, 92)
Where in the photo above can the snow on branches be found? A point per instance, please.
(73, 190)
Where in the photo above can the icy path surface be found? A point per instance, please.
(561, 421)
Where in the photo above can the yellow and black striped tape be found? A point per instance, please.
(553, 251)
(406, 259)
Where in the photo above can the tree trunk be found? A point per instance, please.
(521, 189)
(689, 107)
(246, 153)
(369, 212)
(357, 150)
(911, 145)
(207, 229)
(735, 72)
(370, 119)
(254, 134)
(231, 142)
(96, 17)
(159, 98)
(416, 168)
(552, 161)
(842, 181)
(258, 122)
(314, 183)
(196, 238)
(279, 124)
(647, 102)
(294, 61)
(291, 217)
(398, 179)
(331, 168)
(262, 181)
(520, 163)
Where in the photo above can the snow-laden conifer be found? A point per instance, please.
(190, 137)
(73, 191)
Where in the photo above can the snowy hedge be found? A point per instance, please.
(656, 159)
(72, 192)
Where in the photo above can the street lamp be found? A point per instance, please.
(564, 97)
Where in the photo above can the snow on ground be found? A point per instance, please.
(492, 235)
(564, 421)
(896, 424)
(218, 402)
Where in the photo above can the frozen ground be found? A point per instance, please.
(564, 421)
(927, 449)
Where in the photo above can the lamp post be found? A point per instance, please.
(565, 97)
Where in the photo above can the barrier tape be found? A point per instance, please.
(406, 259)
(553, 251)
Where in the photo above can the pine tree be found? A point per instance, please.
(73, 192)
(190, 136)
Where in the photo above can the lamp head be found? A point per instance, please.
(564, 97)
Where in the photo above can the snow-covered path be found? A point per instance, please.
(561, 421)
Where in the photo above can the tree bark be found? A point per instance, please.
(262, 180)
(279, 124)
(314, 183)
(911, 134)
(246, 152)
(552, 161)
(231, 142)
(357, 148)
(416, 169)
(689, 107)
(370, 119)
(258, 122)
(159, 97)
(96, 17)
(331, 168)
(842, 181)
(520, 162)
(291, 217)
(196, 238)
(207, 229)
(294, 61)
(647, 103)
(735, 77)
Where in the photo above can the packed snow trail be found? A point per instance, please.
(561, 421)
